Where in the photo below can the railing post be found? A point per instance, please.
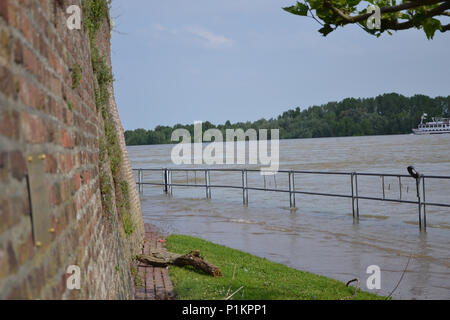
(382, 181)
(400, 186)
(353, 194)
(166, 189)
(424, 204)
(244, 187)
(169, 183)
(207, 183)
(139, 180)
(291, 189)
(357, 198)
(419, 201)
(141, 172)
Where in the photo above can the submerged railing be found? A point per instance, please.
(419, 180)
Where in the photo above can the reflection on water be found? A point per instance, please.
(321, 236)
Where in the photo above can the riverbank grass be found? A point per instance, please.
(261, 279)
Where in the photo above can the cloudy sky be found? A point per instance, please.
(238, 60)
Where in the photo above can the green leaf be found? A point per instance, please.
(326, 30)
(419, 19)
(299, 9)
(430, 26)
(353, 3)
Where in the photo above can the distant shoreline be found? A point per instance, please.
(206, 142)
(388, 114)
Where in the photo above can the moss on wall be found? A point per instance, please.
(95, 12)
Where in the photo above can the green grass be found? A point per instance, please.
(262, 279)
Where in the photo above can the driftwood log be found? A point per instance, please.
(163, 258)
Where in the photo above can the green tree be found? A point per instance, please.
(389, 113)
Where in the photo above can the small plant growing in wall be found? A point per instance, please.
(128, 225)
(70, 105)
(76, 75)
(127, 221)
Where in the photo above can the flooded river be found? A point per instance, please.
(321, 236)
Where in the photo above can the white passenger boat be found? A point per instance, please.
(436, 126)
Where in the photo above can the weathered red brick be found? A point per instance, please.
(18, 165)
(27, 29)
(4, 9)
(77, 181)
(5, 45)
(56, 109)
(67, 139)
(13, 265)
(18, 52)
(65, 190)
(44, 6)
(69, 164)
(42, 103)
(5, 216)
(4, 168)
(55, 86)
(25, 249)
(51, 166)
(9, 124)
(30, 61)
(86, 177)
(61, 163)
(7, 82)
(31, 128)
(42, 47)
(33, 92)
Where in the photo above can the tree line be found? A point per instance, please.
(385, 114)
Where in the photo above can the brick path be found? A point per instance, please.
(156, 281)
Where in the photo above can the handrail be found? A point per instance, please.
(168, 185)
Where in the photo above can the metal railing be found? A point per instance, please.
(419, 180)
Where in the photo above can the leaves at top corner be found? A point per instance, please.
(299, 9)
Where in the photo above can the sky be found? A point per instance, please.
(242, 60)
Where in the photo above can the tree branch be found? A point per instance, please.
(394, 25)
(445, 28)
(404, 6)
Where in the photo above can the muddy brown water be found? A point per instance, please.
(321, 236)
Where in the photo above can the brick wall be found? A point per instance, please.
(41, 112)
